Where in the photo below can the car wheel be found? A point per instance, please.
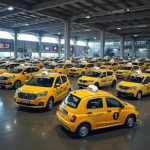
(82, 74)
(139, 95)
(83, 130)
(113, 84)
(50, 104)
(80, 87)
(97, 85)
(130, 121)
(17, 84)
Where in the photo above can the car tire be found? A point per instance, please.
(113, 83)
(83, 130)
(97, 85)
(130, 121)
(50, 104)
(82, 74)
(80, 87)
(17, 84)
(139, 95)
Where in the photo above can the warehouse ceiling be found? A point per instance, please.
(118, 17)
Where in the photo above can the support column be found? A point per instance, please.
(59, 46)
(102, 43)
(75, 47)
(122, 47)
(39, 45)
(148, 49)
(133, 48)
(15, 43)
(67, 39)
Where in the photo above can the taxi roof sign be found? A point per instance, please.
(45, 73)
(92, 88)
(96, 68)
(138, 72)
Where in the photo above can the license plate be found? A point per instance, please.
(2, 81)
(64, 112)
(122, 91)
(25, 101)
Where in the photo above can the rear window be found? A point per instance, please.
(72, 101)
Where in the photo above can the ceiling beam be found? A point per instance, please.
(110, 18)
(51, 4)
(41, 26)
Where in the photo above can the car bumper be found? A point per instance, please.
(37, 103)
(7, 84)
(126, 93)
(64, 123)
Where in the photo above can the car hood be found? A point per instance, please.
(129, 84)
(106, 66)
(33, 89)
(3, 71)
(123, 71)
(129, 105)
(87, 78)
(8, 74)
(76, 68)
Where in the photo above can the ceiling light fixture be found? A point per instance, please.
(59, 33)
(135, 35)
(128, 9)
(118, 28)
(26, 24)
(10, 8)
(95, 38)
(87, 17)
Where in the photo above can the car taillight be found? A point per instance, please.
(73, 118)
(58, 107)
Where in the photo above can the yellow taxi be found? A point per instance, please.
(17, 76)
(81, 69)
(99, 78)
(122, 63)
(147, 71)
(7, 66)
(20, 61)
(37, 63)
(110, 65)
(141, 65)
(96, 62)
(135, 85)
(43, 90)
(64, 68)
(124, 71)
(50, 68)
(90, 109)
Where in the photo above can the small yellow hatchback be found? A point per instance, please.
(90, 109)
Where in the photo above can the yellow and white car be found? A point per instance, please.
(124, 71)
(110, 65)
(86, 110)
(17, 76)
(43, 90)
(50, 68)
(64, 68)
(99, 78)
(135, 85)
(81, 69)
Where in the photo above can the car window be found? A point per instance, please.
(58, 81)
(103, 75)
(35, 69)
(28, 70)
(141, 64)
(112, 103)
(91, 65)
(64, 79)
(135, 67)
(95, 103)
(109, 73)
(147, 80)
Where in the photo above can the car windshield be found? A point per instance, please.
(122, 62)
(107, 64)
(135, 79)
(93, 74)
(80, 66)
(15, 70)
(49, 66)
(41, 81)
(72, 101)
(60, 65)
(2, 66)
(135, 64)
(125, 68)
(147, 72)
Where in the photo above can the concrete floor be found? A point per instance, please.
(28, 129)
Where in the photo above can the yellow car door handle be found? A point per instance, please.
(109, 111)
(89, 113)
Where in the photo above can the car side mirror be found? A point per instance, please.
(57, 85)
(121, 106)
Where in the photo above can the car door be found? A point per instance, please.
(64, 86)
(115, 114)
(109, 77)
(35, 71)
(104, 79)
(146, 86)
(96, 113)
(28, 73)
(58, 90)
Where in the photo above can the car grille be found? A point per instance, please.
(119, 72)
(124, 87)
(3, 78)
(72, 70)
(83, 81)
(27, 96)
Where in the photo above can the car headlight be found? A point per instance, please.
(17, 91)
(117, 86)
(90, 81)
(11, 77)
(132, 88)
(42, 94)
